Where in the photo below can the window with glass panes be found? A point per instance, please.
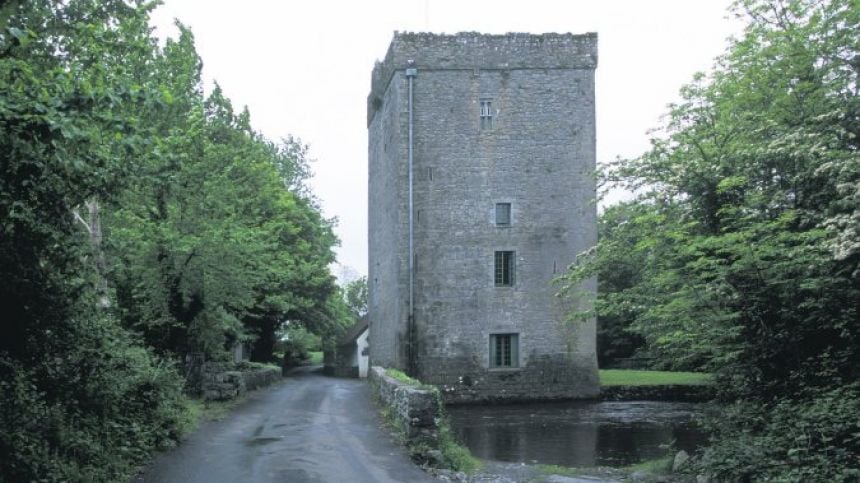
(504, 269)
(503, 214)
(486, 113)
(504, 350)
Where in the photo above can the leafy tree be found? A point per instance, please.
(135, 214)
(620, 272)
(752, 262)
(355, 296)
(219, 241)
(80, 400)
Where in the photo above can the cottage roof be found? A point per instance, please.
(354, 332)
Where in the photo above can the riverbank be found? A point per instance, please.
(653, 471)
(640, 385)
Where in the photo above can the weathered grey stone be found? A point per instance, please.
(222, 382)
(640, 476)
(681, 459)
(538, 156)
(435, 458)
(416, 409)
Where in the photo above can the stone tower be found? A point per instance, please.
(481, 154)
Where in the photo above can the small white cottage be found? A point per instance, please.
(350, 358)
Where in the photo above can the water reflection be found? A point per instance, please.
(577, 433)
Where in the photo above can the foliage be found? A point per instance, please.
(624, 377)
(656, 466)
(94, 408)
(456, 456)
(82, 401)
(816, 439)
(355, 296)
(316, 357)
(198, 232)
(231, 261)
(401, 376)
(745, 233)
(296, 344)
(621, 266)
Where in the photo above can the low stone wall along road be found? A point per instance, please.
(310, 428)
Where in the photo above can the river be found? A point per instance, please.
(578, 434)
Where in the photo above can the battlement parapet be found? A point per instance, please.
(476, 51)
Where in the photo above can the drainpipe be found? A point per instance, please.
(410, 328)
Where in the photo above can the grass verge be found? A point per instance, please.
(402, 377)
(659, 466)
(655, 470)
(626, 377)
(457, 457)
(316, 357)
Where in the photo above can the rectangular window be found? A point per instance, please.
(503, 214)
(504, 350)
(504, 269)
(486, 114)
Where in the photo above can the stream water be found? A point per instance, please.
(578, 434)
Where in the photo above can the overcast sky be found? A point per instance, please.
(303, 68)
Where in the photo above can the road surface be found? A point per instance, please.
(309, 428)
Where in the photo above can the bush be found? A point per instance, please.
(93, 409)
(296, 344)
(817, 439)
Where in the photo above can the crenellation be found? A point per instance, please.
(474, 52)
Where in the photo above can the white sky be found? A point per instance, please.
(303, 68)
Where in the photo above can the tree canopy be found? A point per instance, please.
(140, 220)
(742, 251)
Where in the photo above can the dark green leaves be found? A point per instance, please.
(742, 254)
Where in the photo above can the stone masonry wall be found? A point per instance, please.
(221, 380)
(387, 217)
(417, 410)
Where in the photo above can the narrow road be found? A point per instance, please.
(309, 428)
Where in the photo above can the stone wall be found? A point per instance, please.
(416, 410)
(387, 218)
(547, 377)
(225, 380)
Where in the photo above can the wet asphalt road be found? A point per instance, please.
(308, 428)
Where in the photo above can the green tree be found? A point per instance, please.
(752, 266)
(620, 229)
(355, 296)
(220, 240)
(136, 214)
(81, 401)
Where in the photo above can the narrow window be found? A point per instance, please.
(504, 269)
(503, 214)
(486, 114)
(504, 350)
